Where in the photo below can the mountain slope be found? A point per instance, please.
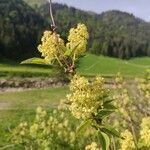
(35, 3)
(112, 33)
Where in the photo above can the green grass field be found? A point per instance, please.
(92, 65)
(16, 70)
(144, 61)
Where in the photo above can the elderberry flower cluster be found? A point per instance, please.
(128, 142)
(92, 146)
(54, 48)
(20, 134)
(46, 132)
(86, 97)
(145, 133)
(78, 38)
(50, 46)
(144, 85)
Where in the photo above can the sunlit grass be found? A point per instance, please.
(92, 65)
(89, 65)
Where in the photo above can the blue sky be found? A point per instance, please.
(140, 8)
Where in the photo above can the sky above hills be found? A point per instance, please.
(140, 8)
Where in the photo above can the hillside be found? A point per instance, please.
(35, 3)
(112, 33)
(20, 29)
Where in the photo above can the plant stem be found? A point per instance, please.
(114, 144)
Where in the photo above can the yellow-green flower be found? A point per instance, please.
(77, 39)
(92, 146)
(145, 132)
(86, 97)
(128, 142)
(52, 45)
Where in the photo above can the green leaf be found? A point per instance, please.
(35, 61)
(69, 52)
(104, 140)
(108, 105)
(110, 130)
(83, 127)
(108, 102)
(104, 113)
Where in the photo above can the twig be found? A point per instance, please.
(53, 25)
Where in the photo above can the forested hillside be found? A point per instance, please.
(112, 33)
(20, 29)
(35, 3)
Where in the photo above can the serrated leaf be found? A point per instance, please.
(104, 140)
(35, 61)
(83, 127)
(110, 130)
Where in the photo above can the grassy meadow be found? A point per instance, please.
(90, 65)
(106, 66)
(19, 106)
(10, 69)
